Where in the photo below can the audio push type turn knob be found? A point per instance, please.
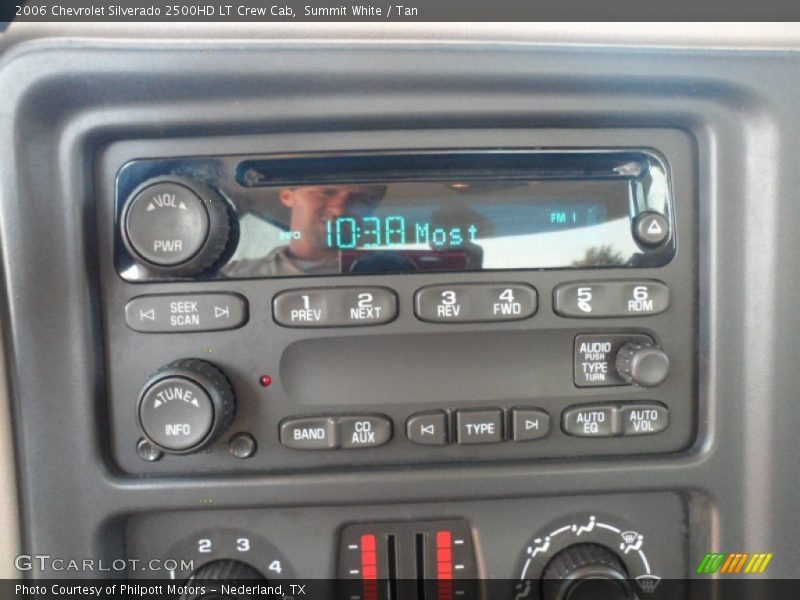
(586, 572)
(642, 364)
(186, 406)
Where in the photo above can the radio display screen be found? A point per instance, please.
(308, 215)
(434, 226)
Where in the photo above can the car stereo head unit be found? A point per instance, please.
(534, 303)
(362, 213)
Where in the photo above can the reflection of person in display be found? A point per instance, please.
(308, 251)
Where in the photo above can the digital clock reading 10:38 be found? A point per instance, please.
(393, 231)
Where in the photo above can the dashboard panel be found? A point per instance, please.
(313, 445)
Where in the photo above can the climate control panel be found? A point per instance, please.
(618, 547)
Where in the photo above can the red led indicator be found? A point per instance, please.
(265, 380)
(369, 566)
(444, 564)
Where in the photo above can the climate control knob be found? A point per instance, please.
(175, 227)
(235, 573)
(586, 572)
(642, 364)
(186, 406)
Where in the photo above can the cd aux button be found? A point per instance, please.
(475, 302)
(628, 298)
(364, 431)
(335, 307)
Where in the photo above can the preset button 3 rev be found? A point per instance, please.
(475, 302)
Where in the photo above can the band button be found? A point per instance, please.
(309, 433)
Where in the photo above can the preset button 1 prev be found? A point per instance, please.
(335, 307)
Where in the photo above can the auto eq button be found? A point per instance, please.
(591, 421)
(475, 302)
(185, 312)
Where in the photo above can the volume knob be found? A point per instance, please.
(186, 406)
(642, 364)
(175, 227)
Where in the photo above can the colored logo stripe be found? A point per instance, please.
(711, 563)
(733, 563)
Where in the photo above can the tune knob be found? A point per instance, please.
(233, 572)
(586, 572)
(642, 364)
(175, 227)
(186, 406)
